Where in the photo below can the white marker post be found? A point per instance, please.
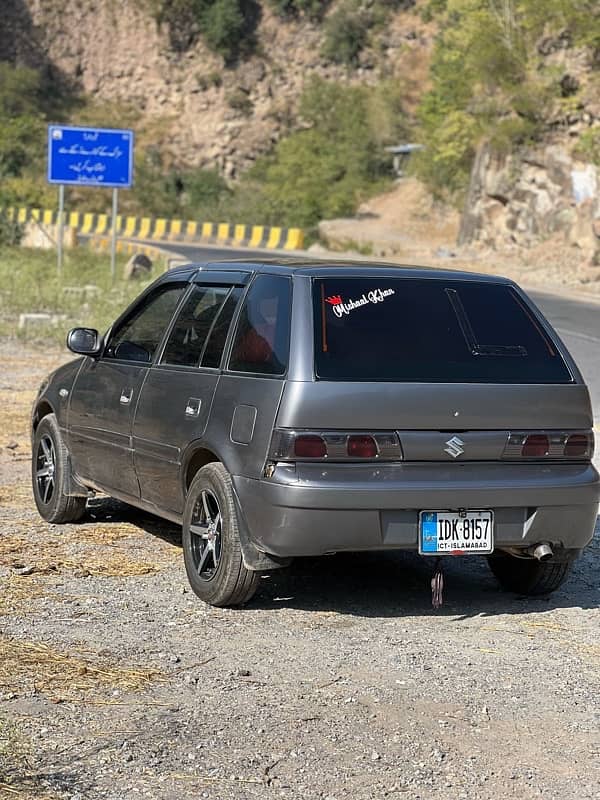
(113, 244)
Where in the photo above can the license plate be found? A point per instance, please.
(454, 532)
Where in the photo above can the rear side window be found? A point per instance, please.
(429, 330)
(262, 338)
(218, 337)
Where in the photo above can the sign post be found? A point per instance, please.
(113, 242)
(61, 226)
(90, 157)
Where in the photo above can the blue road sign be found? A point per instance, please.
(90, 156)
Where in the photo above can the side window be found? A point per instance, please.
(216, 343)
(138, 336)
(262, 337)
(193, 325)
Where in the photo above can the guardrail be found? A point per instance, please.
(163, 229)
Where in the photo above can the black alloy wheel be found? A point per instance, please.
(211, 543)
(50, 474)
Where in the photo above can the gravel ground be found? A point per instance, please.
(337, 681)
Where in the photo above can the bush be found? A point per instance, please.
(589, 146)
(224, 27)
(178, 193)
(346, 32)
(313, 9)
(227, 25)
(239, 101)
(11, 232)
(328, 169)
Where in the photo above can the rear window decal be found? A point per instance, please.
(341, 307)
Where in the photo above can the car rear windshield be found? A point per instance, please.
(429, 329)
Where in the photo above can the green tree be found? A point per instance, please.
(21, 124)
(327, 169)
(490, 79)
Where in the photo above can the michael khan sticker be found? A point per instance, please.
(341, 307)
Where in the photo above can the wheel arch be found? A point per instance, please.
(197, 455)
(42, 409)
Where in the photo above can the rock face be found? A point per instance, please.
(525, 198)
(194, 109)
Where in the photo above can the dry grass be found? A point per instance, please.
(16, 594)
(98, 549)
(33, 666)
(63, 555)
(16, 495)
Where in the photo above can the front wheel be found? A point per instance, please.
(211, 544)
(50, 467)
(529, 576)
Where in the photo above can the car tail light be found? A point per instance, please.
(310, 446)
(361, 446)
(579, 445)
(536, 445)
(547, 445)
(301, 445)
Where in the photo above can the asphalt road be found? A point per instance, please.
(577, 321)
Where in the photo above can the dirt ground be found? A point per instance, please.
(337, 681)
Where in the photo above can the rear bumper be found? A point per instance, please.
(314, 509)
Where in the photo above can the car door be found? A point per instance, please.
(106, 391)
(177, 394)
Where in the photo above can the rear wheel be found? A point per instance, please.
(49, 473)
(211, 543)
(528, 575)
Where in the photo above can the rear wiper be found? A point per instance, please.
(467, 331)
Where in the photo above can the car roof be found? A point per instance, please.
(329, 268)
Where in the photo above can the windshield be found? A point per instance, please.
(429, 330)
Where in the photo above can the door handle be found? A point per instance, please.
(126, 395)
(192, 408)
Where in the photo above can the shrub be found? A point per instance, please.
(11, 232)
(327, 169)
(313, 9)
(239, 101)
(224, 27)
(346, 33)
(227, 25)
(588, 146)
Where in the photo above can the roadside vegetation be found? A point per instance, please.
(29, 283)
(492, 81)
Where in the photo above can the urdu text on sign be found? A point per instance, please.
(90, 156)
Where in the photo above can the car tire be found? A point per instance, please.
(531, 577)
(50, 471)
(211, 543)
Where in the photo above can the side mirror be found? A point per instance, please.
(84, 341)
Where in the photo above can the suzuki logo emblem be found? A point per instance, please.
(455, 447)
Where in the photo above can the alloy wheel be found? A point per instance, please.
(45, 469)
(205, 530)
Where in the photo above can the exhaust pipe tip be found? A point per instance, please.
(542, 551)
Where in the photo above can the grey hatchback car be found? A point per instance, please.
(294, 408)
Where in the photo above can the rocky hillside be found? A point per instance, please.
(193, 107)
(504, 94)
